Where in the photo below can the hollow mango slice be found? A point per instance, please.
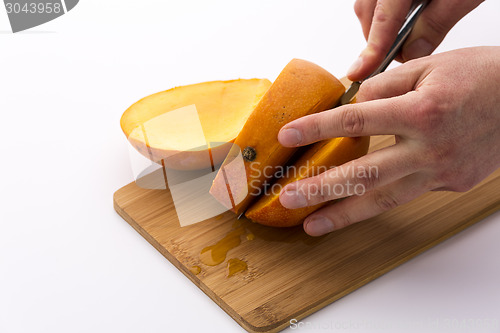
(192, 127)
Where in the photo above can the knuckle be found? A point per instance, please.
(430, 113)
(368, 180)
(380, 13)
(353, 121)
(377, 49)
(385, 200)
(313, 191)
(359, 8)
(313, 128)
(318, 194)
(383, 15)
(343, 220)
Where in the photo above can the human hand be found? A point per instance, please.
(444, 111)
(382, 19)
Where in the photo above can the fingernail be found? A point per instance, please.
(318, 225)
(293, 199)
(289, 137)
(355, 66)
(416, 49)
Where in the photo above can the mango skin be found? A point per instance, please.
(319, 157)
(301, 88)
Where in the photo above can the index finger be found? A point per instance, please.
(377, 117)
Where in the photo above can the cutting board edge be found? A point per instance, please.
(177, 264)
(239, 319)
(403, 258)
(280, 325)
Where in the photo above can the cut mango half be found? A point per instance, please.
(192, 127)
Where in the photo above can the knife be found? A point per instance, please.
(415, 11)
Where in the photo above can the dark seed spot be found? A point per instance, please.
(249, 154)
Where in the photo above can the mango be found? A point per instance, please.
(320, 157)
(301, 88)
(192, 127)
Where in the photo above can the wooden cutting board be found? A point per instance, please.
(268, 276)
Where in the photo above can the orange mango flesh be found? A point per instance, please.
(325, 154)
(192, 127)
(318, 158)
(302, 88)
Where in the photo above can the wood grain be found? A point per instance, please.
(291, 275)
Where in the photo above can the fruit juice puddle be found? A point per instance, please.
(235, 265)
(216, 254)
(195, 270)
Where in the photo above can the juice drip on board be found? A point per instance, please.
(235, 265)
(195, 270)
(216, 254)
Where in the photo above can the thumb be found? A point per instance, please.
(433, 25)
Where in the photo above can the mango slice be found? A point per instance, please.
(301, 88)
(320, 157)
(192, 127)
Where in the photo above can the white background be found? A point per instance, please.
(69, 263)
